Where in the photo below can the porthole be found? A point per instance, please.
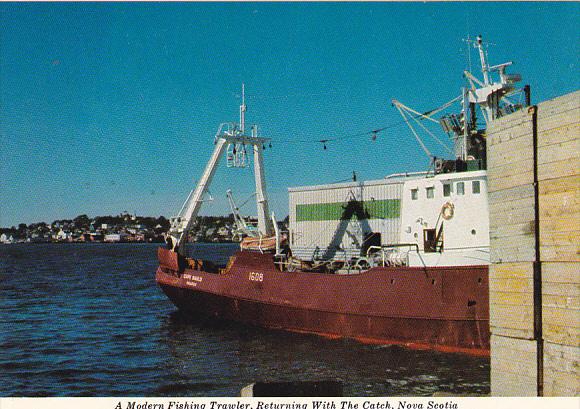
(473, 232)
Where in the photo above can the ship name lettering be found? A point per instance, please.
(256, 276)
(192, 277)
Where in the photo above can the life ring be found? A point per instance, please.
(447, 211)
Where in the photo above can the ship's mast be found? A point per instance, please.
(483, 59)
(264, 223)
(243, 110)
(489, 95)
(232, 135)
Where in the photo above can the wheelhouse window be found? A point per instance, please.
(414, 194)
(460, 188)
(475, 187)
(430, 192)
(447, 189)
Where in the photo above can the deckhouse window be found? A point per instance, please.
(460, 188)
(430, 192)
(447, 189)
(475, 187)
(414, 194)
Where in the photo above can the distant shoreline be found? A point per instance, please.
(110, 243)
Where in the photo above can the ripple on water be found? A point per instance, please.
(90, 321)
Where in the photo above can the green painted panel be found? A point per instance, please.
(374, 209)
(383, 209)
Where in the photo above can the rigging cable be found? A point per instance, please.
(374, 133)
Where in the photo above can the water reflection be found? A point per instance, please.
(245, 354)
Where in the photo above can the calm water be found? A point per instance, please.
(89, 320)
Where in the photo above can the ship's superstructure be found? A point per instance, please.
(402, 220)
(433, 218)
(399, 260)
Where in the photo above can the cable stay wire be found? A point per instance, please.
(374, 133)
(425, 149)
(439, 141)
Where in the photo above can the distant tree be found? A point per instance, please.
(9, 231)
(109, 220)
(82, 221)
(163, 222)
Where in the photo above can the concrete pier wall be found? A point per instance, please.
(534, 193)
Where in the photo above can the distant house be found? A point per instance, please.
(138, 237)
(63, 235)
(5, 239)
(116, 238)
(38, 238)
(96, 236)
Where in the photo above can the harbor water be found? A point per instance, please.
(89, 320)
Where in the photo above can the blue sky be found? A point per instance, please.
(107, 107)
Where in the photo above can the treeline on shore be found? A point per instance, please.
(121, 228)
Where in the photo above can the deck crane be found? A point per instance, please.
(234, 137)
(242, 227)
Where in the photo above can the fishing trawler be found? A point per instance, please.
(401, 260)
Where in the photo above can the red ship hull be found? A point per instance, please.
(441, 308)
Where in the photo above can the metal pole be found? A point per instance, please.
(264, 223)
(195, 204)
(528, 95)
(243, 111)
(484, 67)
(465, 124)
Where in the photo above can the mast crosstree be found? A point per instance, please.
(232, 136)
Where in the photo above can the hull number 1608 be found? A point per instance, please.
(256, 277)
